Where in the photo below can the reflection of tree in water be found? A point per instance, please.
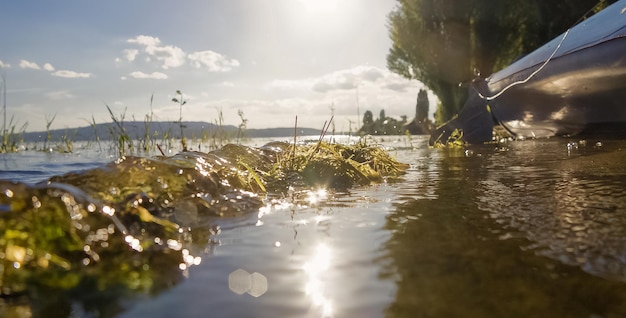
(449, 259)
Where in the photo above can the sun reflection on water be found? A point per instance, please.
(317, 270)
(315, 197)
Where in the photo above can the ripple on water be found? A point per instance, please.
(571, 211)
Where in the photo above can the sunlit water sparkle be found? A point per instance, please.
(523, 229)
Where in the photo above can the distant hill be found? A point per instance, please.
(137, 130)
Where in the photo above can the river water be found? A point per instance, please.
(533, 228)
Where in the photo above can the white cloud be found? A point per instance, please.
(284, 85)
(29, 65)
(348, 79)
(48, 67)
(59, 95)
(328, 84)
(345, 80)
(142, 75)
(71, 74)
(171, 56)
(370, 73)
(398, 86)
(227, 84)
(130, 54)
(378, 89)
(213, 61)
(145, 40)
(4, 65)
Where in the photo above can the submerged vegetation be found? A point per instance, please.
(135, 225)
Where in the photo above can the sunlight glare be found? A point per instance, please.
(316, 269)
(320, 6)
(315, 197)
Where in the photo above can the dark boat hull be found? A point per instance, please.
(574, 84)
(574, 93)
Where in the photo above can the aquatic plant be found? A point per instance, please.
(136, 224)
(12, 136)
(146, 144)
(94, 126)
(241, 129)
(219, 137)
(49, 121)
(181, 101)
(118, 133)
(67, 142)
(454, 140)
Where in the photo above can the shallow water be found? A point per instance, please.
(532, 228)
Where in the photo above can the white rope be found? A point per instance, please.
(490, 98)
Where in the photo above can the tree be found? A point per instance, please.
(443, 43)
(382, 126)
(368, 118)
(422, 106)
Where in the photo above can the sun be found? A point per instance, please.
(320, 6)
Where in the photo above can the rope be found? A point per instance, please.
(490, 98)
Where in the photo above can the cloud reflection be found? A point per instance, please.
(317, 269)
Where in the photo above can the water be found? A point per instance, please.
(531, 228)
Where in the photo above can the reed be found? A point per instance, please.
(242, 126)
(118, 133)
(67, 142)
(219, 136)
(49, 121)
(94, 126)
(146, 143)
(12, 137)
(181, 101)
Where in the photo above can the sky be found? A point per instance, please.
(271, 60)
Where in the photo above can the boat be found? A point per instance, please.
(572, 85)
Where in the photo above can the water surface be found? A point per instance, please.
(532, 228)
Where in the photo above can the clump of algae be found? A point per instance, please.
(135, 224)
(335, 165)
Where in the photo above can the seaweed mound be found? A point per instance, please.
(137, 224)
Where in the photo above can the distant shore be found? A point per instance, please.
(138, 129)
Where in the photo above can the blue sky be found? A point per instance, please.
(271, 59)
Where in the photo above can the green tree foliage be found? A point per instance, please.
(368, 118)
(443, 43)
